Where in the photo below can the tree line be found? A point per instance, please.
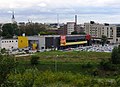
(9, 30)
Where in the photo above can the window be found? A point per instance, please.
(116, 39)
(12, 41)
(2, 41)
(42, 47)
(16, 41)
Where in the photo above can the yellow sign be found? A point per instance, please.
(74, 43)
(22, 42)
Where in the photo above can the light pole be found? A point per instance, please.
(15, 67)
(56, 63)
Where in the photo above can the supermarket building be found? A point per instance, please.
(46, 42)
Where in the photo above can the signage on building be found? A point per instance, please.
(63, 40)
(22, 42)
(88, 37)
(74, 43)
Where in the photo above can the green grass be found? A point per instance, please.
(75, 62)
(34, 78)
(74, 69)
(74, 56)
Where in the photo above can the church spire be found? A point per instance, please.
(13, 17)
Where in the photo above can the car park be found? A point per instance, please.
(93, 48)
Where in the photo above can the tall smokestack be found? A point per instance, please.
(58, 26)
(76, 19)
(75, 23)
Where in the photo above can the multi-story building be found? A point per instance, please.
(62, 30)
(96, 31)
(80, 28)
(118, 33)
(70, 27)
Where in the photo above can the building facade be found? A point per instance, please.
(36, 42)
(45, 42)
(9, 43)
(96, 31)
(118, 34)
(70, 27)
(80, 28)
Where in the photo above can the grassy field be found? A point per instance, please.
(63, 69)
(73, 56)
(75, 62)
(66, 69)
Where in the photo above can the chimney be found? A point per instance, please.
(76, 19)
(75, 23)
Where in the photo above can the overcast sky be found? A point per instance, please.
(46, 10)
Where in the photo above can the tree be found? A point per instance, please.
(47, 33)
(7, 64)
(43, 33)
(74, 32)
(9, 30)
(15, 29)
(83, 33)
(103, 40)
(115, 56)
(31, 28)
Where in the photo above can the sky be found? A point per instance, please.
(47, 11)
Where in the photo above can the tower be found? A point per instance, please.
(76, 19)
(75, 23)
(13, 17)
(58, 26)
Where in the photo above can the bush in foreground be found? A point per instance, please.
(115, 56)
(7, 64)
(34, 60)
(34, 78)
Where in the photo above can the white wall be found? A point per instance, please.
(40, 39)
(42, 42)
(70, 27)
(9, 43)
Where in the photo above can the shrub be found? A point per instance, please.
(87, 65)
(115, 56)
(118, 81)
(34, 60)
(107, 65)
(35, 78)
(3, 51)
(7, 64)
(25, 79)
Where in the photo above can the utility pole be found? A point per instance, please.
(58, 21)
(56, 63)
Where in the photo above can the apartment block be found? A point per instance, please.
(96, 31)
(70, 27)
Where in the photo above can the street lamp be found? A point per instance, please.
(56, 63)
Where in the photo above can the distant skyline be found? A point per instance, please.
(45, 11)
